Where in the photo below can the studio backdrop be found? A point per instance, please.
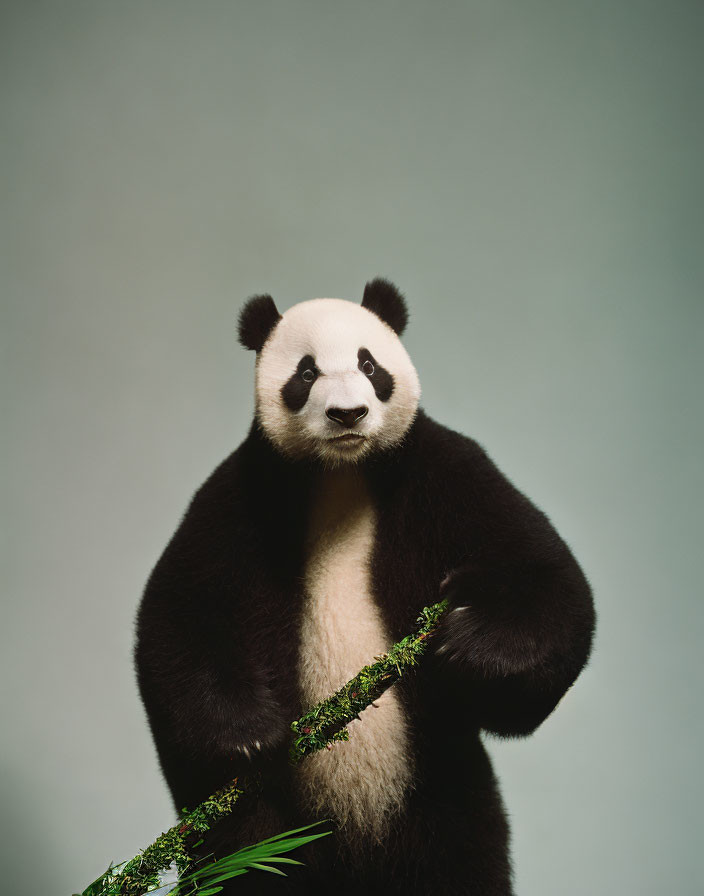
(529, 175)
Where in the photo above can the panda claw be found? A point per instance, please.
(257, 744)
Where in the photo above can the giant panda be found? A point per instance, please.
(307, 553)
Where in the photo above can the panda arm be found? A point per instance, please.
(202, 699)
(204, 663)
(521, 618)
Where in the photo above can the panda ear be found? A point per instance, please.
(383, 299)
(257, 319)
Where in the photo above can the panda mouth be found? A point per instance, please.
(348, 437)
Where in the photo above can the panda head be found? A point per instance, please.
(333, 381)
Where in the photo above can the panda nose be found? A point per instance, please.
(347, 418)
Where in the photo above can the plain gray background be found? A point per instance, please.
(530, 174)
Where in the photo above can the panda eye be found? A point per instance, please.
(308, 375)
(368, 368)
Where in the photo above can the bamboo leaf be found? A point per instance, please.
(281, 860)
(267, 868)
(286, 834)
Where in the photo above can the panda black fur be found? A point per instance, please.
(302, 558)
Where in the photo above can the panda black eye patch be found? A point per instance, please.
(296, 389)
(379, 376)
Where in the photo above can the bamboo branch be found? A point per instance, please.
(320, 727)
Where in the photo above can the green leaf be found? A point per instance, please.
(267, 868)
(200, 879)
(288, 834)
(217, 880)
(283, 861)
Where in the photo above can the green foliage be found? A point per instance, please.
(204, 880)
(263, 856)
(318, 728)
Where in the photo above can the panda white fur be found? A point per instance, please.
(333, 347)
(307, 554)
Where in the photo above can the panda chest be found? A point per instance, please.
(364, 780)
(342, 627)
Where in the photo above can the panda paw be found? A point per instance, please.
(478, 637)
(455, 634)
(258, 736)
(447, 643)
(249, 751)
(459, 627)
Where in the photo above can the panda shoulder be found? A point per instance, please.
(439, 446)
(233, 485)
(458, 470)
(216, 518)
(464, 479)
